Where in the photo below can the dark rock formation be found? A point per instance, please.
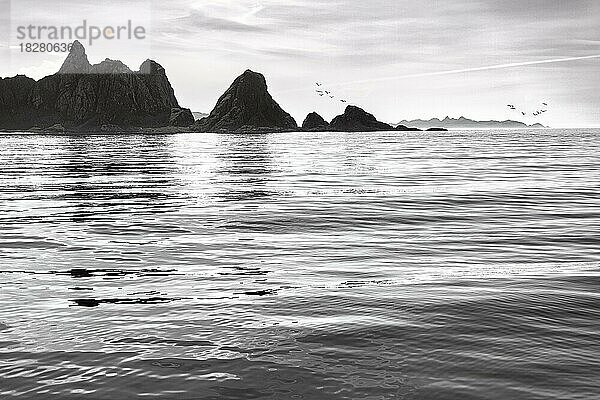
(109, 66)
(76, 62)
(15, 102)
(403, 128)
(181, 117)
(314, 121)
(247, 106)
(355, 119)
(84, 97)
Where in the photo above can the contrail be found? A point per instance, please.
(455, 71)
(464, 70)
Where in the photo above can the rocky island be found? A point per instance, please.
(247, 107)
(82, 97)
(354, 119)
(110, 97)
(314, 122)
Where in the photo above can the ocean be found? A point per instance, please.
(443, 265)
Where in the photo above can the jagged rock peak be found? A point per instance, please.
(247, 106)
(355, 119)
(109, 66)
(151, 67)
(77, 61)
(314, 121)
(87, 98)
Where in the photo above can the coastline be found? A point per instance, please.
(187, 130)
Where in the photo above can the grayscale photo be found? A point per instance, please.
(304, 199)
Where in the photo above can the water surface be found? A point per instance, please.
(450, 265)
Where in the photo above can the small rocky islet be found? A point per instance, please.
(110, 97)
(246, 106)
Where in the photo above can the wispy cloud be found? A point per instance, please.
(199, 20)
(403, 58)
(466, 70)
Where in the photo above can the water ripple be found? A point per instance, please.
(454, 265)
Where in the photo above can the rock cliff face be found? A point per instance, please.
(314, 121)
(355, 119)
(85, 97)
(247, 106)
(15, 101)
(181, 117)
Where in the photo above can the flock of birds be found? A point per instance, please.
(536, 113)
(320, 90)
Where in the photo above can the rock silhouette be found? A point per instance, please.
(181, 117)
(314, 121)
(110, 97)
(84, 97)
(247, 106)
(77, 61)
(355, 119)
(403, 128)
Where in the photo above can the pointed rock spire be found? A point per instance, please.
(77, 61)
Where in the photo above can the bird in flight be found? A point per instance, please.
(343, 101)
(318, 84)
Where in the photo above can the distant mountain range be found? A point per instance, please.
(465, 123)
(199, 115)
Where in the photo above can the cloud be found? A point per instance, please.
(295, 41)
(476, 69)
(348, 40)
(198, 20)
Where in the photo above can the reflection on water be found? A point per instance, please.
(317, 266)
(244, 167)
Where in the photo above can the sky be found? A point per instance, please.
(398, 59)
